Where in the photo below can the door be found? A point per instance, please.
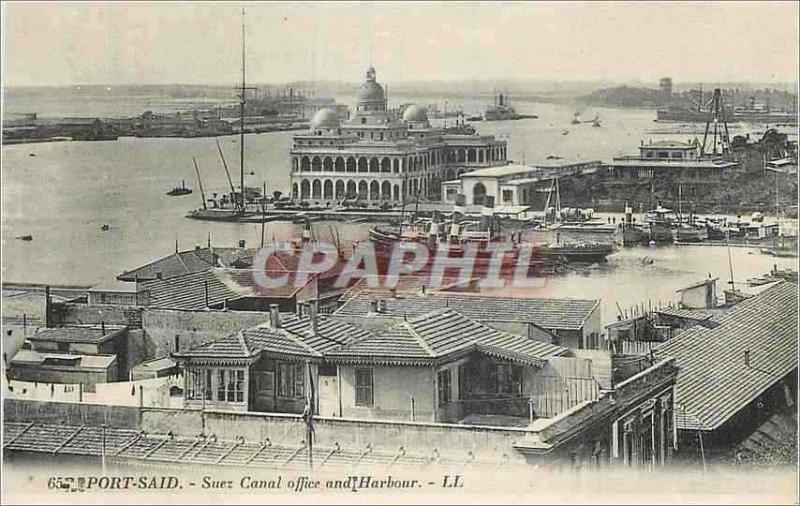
(328, 392)
(264, 391)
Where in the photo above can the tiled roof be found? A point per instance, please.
(561, 314)
(183, 262)
(188, 291)
(441, 334)
(93, 334)
(714, 383)
(331, 332)
(692, 314)
(295, 337)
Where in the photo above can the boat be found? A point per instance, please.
(576, 119)
(104, 227)
(475, 118)
(27, 237)
(565, 132)
(179, 190)
(232, 207)
(31, 154)
(502, 111)
(688, 233)
(660, 222)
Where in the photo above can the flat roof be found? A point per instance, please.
(86, 334)
(678, 164)
(40, 359)
(501, 170)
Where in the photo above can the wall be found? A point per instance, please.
(73, 313)
(484, 442)
(121, 417)
(393, 388)
(194, 327)
(54, 374)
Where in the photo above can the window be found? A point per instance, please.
(364, 394)
(291, 380)
(508, 379)
(199, 382)
(508, 195)
(464, 386)
(230, 385)
(443, 384)
(363, 121)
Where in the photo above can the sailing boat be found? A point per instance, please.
(783, 245)
(234, 209)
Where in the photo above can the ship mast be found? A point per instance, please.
(241, 125)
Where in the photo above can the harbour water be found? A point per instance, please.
(68, 190)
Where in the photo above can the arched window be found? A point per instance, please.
(374, 166)
(396, 192)
(294, 191)
(362, 165)
(386, 191)
(305, 164)
(386, 165)
(363, 191)
(316, 189)
(305, 189)
(327, 164)
(339, 189)
(374, 191)
(351, 192)
(327, 190)
(316, 164)
(339, 165)
(351, 164)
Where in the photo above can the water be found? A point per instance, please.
(64, 194)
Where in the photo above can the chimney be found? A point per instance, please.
(373, 306)
(275, 316)
(312, 313)
(382, 305)
(159, 275)
(177, 343)
(242, 243)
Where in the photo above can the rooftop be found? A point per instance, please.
(295, 337)
(61, 360)
(188, 291)
(715, 383)
(562, 314)
(669, 144)
(183, 262)
(84, 334)
(442, 334)
(501, 170)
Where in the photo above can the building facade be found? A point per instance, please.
(378, 156)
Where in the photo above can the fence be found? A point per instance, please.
(556, 394)
(639, 347)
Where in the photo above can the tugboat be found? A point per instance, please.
(660, 221)
(180, 190)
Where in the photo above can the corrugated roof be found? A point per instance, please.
(714, 383)
(692, 314)
(560, 314)
(442, 333)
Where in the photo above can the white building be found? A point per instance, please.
(510, 184)
(381, 157)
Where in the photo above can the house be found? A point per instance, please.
(441, 367)
(118, 293)
(69, 368)
(700, 295)
(267, 367)
(739, 372)
(53, 351)
(571, 323)
(512, 185)
(156, 368)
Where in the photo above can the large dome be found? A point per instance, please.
(325, 118)
(415, 113)
(371, 91)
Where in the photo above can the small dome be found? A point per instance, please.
(415, 113)
(325, 118)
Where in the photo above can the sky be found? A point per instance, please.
(52, 44)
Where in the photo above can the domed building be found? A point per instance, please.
(382, 155)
